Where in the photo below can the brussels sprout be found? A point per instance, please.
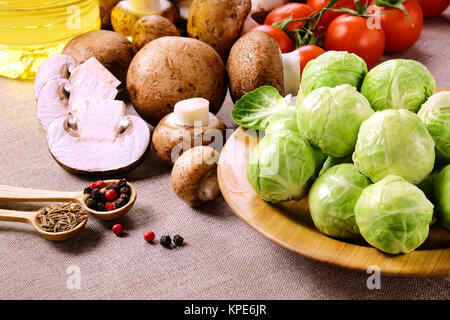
(435, 113)
(332, 200)
(332, 161)
(393, 215)
(329, 118)
(285, 119)
(332, 69)
(281, 166)
(394, 142)
(398, 84)
(442, 197)
(256, 108)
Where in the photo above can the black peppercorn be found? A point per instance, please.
(166, 241)
(122, 183)
(121, 202)
(96, 193)
(125, 190)
(91, 204)
(88, 190)
(178, 240)
(101, 206)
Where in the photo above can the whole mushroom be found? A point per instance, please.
(127, 12)
(190, 124)
(149, 28)
(194, 176)
(256, 60)
(113, 50)
(217, 22)
(171, 69)
(106, 7)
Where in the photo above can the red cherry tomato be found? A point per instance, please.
(308, 53)
(117, 229)
(284, 42)
(433, 8)
(351, 33)
(149, 236)
(400, 33)
(111, 195)
(293, 10)
(329, 16)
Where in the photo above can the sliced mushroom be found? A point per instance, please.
(53, 101)
(56, 67)
(98, 138)
(194, 176)
(218, 22)
(149, 28)
(126, 13)
(256, 60)
(191, 124)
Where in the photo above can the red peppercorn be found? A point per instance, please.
(110, 206)
(111, 195)
(92, 185)
(100, 184)
(149, 236)
(117, 229)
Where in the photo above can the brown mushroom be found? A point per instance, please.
(173, 135)
(194, 176)
(113, 50)
(149, 28)
(171, 69)
(106, 7)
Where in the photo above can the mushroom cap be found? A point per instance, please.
(151, 27)
(106, 7)
(218, 22)
(194, 175)
(171, 69)
(53, 101)
(87, 156)
(113, 50)
(169, 134)
(254, 61)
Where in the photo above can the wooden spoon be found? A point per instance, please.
(31, 217)
(17, 194)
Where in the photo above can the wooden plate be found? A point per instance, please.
(290, 224)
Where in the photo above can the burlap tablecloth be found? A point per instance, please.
(223, 258)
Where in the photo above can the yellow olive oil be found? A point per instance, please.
(31, 31)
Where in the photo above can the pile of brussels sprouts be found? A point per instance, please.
(373, 167)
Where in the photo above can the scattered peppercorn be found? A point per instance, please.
(166, 241)
(149, 236)
(117, 229)
(178, 240)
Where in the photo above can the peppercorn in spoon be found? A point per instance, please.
(17, 194)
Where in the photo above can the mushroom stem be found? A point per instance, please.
(248, 24)
(209, 186)
(291, 72)
(145, 5)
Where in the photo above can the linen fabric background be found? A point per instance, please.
(223, 257)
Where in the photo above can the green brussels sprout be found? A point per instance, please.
(393, 215)
(442, 197)
(329, 118)
(398, 84)
(285, 119)
(332, 161)
(281, 166)
(332, 69)
(332, 200)
(394, 142)
(435, 113)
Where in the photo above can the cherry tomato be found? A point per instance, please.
(293, 10)
(329, 16)
(400, 33)
(433, 8)
(308, 53)
(284, 42)
(352, 33)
